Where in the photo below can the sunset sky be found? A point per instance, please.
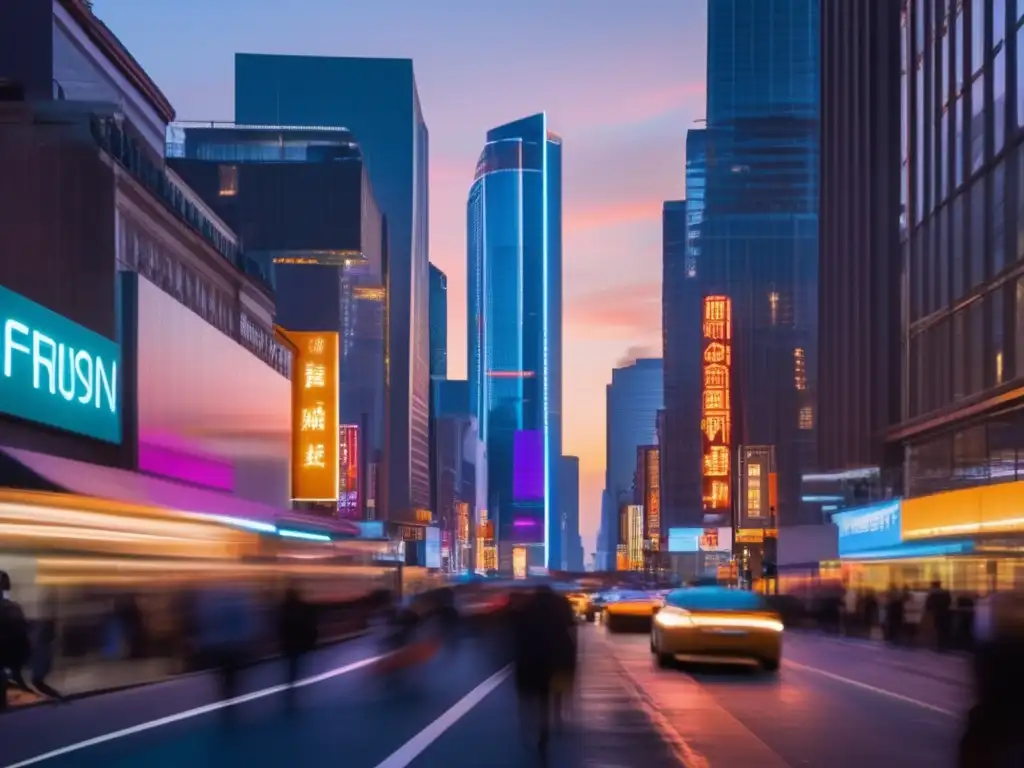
(621, 82)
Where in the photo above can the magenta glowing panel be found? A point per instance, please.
(528, 466)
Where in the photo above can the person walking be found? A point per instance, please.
(542, 647)
(15, 644)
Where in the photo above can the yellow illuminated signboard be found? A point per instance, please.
(716, 406)
(652, 497)
(315, 428)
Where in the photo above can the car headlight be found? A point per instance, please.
(670, 618)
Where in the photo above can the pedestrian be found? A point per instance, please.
(15, 644)
(938, 607)
(297, 631)
(542, 647)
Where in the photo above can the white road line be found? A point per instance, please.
(412, 749)
(190, 713)
(872, 688)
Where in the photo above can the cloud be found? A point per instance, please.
(636, 352)
(624, 311)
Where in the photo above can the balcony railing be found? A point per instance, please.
(136, 161)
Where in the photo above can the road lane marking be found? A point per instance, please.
(413, 748)
(191, 713)
(872, 688)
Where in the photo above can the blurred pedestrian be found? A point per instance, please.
(543, 644)
(41, 658)
(15, 644)
(992, 737)
(938, 607)
(297, 631)
(894, 604)
(227, 628)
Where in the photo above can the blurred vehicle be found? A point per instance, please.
(580, 602)
(717, 625)
(630, 611)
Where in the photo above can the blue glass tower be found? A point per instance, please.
(759, 233)
(514, 247)
(438, 323)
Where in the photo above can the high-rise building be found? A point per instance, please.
(378, 101)
(860, 284)
(759, 235)
(680, 440)
(569, 501)
(963, 190)
(438, 323)
(634, 398)
(515, 332)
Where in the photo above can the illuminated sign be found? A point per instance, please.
(348, 471)
(519, 562)
(635, 537)
(315, 429)
(58, 373)
(756, 497)
(869, 528)
(652, 497)
(716, 410)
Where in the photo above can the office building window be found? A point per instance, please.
(1018, 331)
(996, 358)
(975, 348)
(944, 248)
(957, 237)
(806, 417)
(228, 180)
(799, 370)
(998, 214)
(959, 355)
(976, 255)
(977, 122)
(977, 34)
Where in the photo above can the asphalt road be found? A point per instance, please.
(459, 709)
(834, 704)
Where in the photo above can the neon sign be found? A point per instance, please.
(56, 372)
(716, 405)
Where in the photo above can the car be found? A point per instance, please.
(717, 625)
(627, 611)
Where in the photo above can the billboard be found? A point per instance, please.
(756, 497)
(684, 539)
(652, 496)
(432, 548)
(635, 537)
(315, 444)
(528, 465)
(870, 528)
(716, 405)
(210, 412)
(56, 372)
(348, 472)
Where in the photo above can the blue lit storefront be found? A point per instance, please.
(968, 540)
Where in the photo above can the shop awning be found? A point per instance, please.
(907, 550)
(119, 485)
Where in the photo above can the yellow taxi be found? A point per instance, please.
(629, 611)
(717, 625)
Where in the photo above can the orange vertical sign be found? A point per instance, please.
(315, 445)
(773, 493)
(716, 405)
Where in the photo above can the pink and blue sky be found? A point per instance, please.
(621, 83)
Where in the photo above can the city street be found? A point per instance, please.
(834, 704)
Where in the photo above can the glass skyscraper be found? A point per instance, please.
(759, 235)
(377, 100)
(514, 244)
(438, 323)
(634, 398)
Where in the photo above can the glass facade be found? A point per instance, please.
(514, 250)
(634, 398)
(963, 333)
(438, 323)
(378, 101)
(759, 230)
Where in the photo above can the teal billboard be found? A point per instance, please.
(56, 372)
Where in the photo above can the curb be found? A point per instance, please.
(169, 679)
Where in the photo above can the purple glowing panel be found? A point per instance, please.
(527, 527)
(528, 466)
(193, 468)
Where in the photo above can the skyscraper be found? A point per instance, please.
(569, 501)
(634, 398)
(759, 235)
(438, 323)
(681, 340)
(860, 273)
(514, 273)
(378, 101)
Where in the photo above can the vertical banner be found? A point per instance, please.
(652, 496)
(716, 405)
(348, 472)
(315, 430)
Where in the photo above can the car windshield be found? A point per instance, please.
(716, 599)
